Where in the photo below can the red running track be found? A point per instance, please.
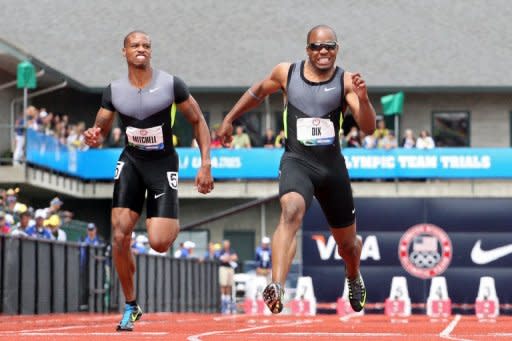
(195, 327)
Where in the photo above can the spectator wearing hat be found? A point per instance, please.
(264, 259)
(54, 208)
(189, 246)
(20, 230)
(141, 244)
(38, 230)
(54, 223)
(92, 235)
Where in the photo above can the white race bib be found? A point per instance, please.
(146, 139)
(314, 131)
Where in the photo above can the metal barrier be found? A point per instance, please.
(40, 276)
(170, 284)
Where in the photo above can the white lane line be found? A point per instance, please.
(445, 334)
(348, 317)
(317, 334)
(87, 334)
(197, 337)
(228, 317)
(39, 330)
(451, 326)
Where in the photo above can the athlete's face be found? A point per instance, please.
(137, 50)
(322, 49)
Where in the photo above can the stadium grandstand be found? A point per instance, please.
(432, 187)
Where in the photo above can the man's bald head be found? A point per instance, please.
(127, 37)
(318, 27)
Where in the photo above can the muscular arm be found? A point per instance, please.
(359, 102)
(95, 136)
(190, 109)
(253, 97)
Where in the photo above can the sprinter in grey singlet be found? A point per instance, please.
(316, 93)
(148, 166)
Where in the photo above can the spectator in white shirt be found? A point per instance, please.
(424, 141)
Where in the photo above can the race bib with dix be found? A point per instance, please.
(313, 131)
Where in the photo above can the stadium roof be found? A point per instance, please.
(403, 44)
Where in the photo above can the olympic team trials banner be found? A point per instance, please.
(261, 163)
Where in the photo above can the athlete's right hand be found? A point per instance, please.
(225, 133)
(93, 137)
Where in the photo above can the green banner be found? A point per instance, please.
(393, 104)
(26, 75)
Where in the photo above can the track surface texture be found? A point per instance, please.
(208, 327)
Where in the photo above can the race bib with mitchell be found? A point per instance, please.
(313, 131)
(145, 139)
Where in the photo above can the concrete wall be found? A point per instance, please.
(489, 114)
(6, 97)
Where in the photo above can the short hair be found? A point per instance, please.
(125, 41)
(318, 27)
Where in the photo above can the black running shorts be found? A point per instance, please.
(330, 184)
(159, 177)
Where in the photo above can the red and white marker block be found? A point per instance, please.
(300, 307)
(343, 306)
(487, 305)
(253, 303)
(254, 307)
(439, 304)
(304, 302)
(398, 304)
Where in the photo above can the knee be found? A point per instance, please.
(120, 238)
(350, 248)
(292, 213)
(160, 245)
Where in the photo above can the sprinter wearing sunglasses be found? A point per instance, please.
(316, 95)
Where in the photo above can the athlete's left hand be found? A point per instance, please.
(204, 180)
(359, 86)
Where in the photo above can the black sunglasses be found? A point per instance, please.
(329, 46)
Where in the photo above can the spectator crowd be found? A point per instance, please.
(20, 220)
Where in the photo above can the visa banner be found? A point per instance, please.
(262, 163)
(410, 244)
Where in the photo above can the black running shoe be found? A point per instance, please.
(273, 297)
(357, 293)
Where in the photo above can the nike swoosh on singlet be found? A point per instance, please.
(158, 195)
(153, 90)
(479, 256)
(329, 89)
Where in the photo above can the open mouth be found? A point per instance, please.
(324, 60)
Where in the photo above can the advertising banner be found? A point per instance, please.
(417, 246)
(263, 163)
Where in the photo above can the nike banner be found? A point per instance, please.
(461, 239)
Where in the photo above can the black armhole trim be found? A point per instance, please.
(290, 71)
(343, 102)
(307, 81)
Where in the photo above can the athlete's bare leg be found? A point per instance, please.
(162, 232)
(349, 248)
(284, 243)
(123, 222)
